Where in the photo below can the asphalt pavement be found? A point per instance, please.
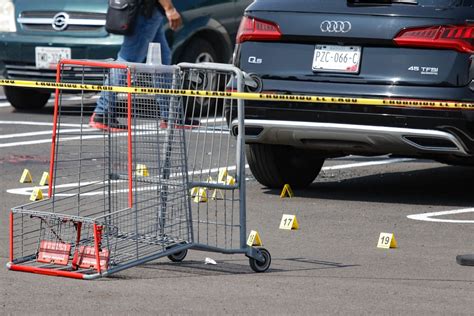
(331, 265)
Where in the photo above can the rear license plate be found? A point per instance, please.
(48, 57)
(330, 58)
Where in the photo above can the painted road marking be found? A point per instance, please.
(37, 123)
(367, 163)
(48, 140)
(84, 128)
(86, 98)
(45, 133)
(28, 190)
(428, 217)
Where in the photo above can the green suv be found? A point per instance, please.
(34, 35)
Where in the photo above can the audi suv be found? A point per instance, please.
(34, 35)
(379, 49)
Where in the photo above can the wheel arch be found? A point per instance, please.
(208, 29)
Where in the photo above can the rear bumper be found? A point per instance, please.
(341, 129)
(351, 138)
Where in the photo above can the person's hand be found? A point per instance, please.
(174, 18)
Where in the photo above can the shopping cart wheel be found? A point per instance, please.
(178, 256)
(258, 266)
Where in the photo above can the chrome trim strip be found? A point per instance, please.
(70, 21)
(291, 133)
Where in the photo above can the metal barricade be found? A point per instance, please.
(165, 177)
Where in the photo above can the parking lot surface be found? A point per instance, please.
(331, 265)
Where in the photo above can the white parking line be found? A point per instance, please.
(85, 128)
(33, 134)
(368, 163)
(37, 123)
(44, 133)
(28, 190)
(86, 98)
(428, 217)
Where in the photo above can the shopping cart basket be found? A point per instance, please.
(168, 177)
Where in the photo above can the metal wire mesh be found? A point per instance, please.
(213, 157)
(130, 181)
(48, 240)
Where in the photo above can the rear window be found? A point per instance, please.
(446, 3)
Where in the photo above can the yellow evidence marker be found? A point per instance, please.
(254, 239)
(194, 191)
(230, 180)
(142, 170)
(387, 241)
(215, 194)
(287, 191)
(289, 222)
(26, 177)
(222, 175)
(200, 196)
(44, 179)
(36, 195)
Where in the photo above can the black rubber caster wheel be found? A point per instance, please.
(179, 256)
(465, 260)
(258, 266)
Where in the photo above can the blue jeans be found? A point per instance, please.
(134, 49)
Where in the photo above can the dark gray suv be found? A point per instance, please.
(409, 49)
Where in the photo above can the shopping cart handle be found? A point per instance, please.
(250, 81)
(212, 185)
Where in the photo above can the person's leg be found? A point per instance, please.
(134, 49)
(161, 38)
(165, 82)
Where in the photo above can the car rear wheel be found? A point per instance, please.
(200, 50)
(277, 165)
(26, 99)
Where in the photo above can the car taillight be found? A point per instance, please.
(456, 37)
(252, 29)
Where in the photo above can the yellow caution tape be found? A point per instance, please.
(395, 102)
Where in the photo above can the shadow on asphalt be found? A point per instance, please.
(192, 268)
(444, 186)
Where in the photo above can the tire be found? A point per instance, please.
(178, 256)
(197, 51)
(277, 165)
(258, 266)
(26, 99)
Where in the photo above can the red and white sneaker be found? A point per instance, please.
(110, 124)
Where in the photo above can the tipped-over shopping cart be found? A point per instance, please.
(168, 177)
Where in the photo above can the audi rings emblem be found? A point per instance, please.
(335, 26)
(60, 21)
